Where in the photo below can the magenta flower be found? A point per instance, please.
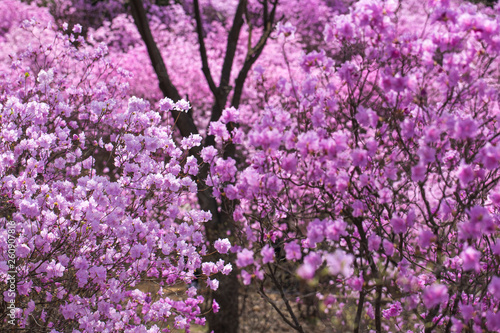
(465, 174)
(359, 157)
(247, 277)
(388, 247)
(435, 295)
(418, 173)
(208, 268)
(219, 130)
(227, 269)
(208, 154)
(222, 245)
(427, 155)
(77, 28)
(306, 271)
(466, 128)
(215, 306)
(335, 229)
(490, 156)
(358, 208)
(289, 163)
(230, 115)
(340, 262)
(470, 258)
(494, 287)
(308, 143)
(394, 310)
(293, 251)
(182, 105)
(213, 284)
(267, 253)
(398, 225)
(315, 232)
(287, 29)
(374, 242)
(425, 238)
(244, 258)
(166, 104)
(493, 321)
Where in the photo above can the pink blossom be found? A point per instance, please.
(244, 258)
(425, 238)
(494, 287)
(247, 277)
(374, 242)
(315, 232)
(166, 104)
(466, 128)
(267, 253)
(418, 173)
(287, 29)
(398, 225)
(340, 262)
(388, 247)
(308, 143)
(222, 245)
(359, 157)
(306, 271)
(493, 321)
(394, 310)
(293, 251)
(230, 115)
(465, 174)
(358, 208)
(215, 306)
(77, 28)
(435, 295)
(213, 284)
(470, 258)
(227, 269)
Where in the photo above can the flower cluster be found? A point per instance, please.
(377, 173)
(94, 184)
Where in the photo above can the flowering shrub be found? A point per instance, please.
(92, 183)
(377, 173)
(360, 160)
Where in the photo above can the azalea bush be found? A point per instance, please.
(376, 172)
(347, 161)
(92, 189)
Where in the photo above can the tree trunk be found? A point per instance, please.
(227, 296)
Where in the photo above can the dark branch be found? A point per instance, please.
(185, 122)
(232, 43)
(254, 53)
(224, 89)
(203, 51)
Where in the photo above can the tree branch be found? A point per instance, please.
(254, 53)
(224, 89)
(232, 43)
(278, 284)
(203, 51)
(185, 121)
(273, 304)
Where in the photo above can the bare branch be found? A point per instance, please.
(278, 284)
(254, 53)
(232, 43)
(203, 51)
(273, 304)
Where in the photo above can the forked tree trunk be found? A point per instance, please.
(227, 319)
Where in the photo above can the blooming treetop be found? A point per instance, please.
(368, 166)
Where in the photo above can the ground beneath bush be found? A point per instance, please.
(258, 315)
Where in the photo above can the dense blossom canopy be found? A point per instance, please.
(362, 159)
